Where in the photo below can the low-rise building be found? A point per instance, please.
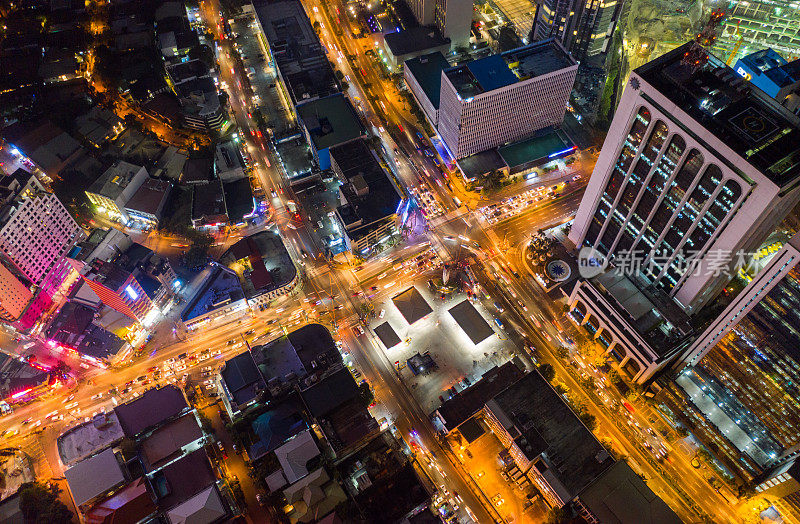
(264, 266)
(219, 300)
(44, 147)
(115, 187)
(327, 122)
(84, 440)
(95, 477)
(371, 202)
(99, 126)
(401, 46)
(145, 207)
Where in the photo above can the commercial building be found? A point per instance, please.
(770, 72)
(584, 28)
(328, 122)
(114, 188)
(423, 10)
(505, 97)
(36, 232)
(219, 300)
(145, 207)
(639, 327)
(739, 377)
(423, 76)
(697, 163)
(44, 148)
(370, 212)
(453, 18)
(295, 49)
(263, 265)
(404, 45)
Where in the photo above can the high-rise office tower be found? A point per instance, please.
(584, 28)
(697, 167)
(741, 377)
(505, 97)
(423, 10)
(454, 20)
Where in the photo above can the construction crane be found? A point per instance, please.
(738, 45)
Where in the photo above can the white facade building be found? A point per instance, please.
(697, 167)
(454, 20)
(37, 232)
(502, 98)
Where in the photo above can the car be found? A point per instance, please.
(27, 421)
(71, 397)
(141, 379)
(499, 323)
(221, 447)
(98, 396)
(382, 313)
(359, 330)
(498, 307)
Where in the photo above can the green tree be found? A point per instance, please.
(203, 53)
(366, 394)
(547, 372)
(589, 420)
(205, 422)
(557, 515)
(40, 505)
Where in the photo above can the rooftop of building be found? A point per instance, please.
(168, 441)
(85, 439)
(130, 504)
(481, 163)
(152, 408)
(349, 424)
(427, 70)
(414, 40)
(239, 202)
(241, 378)
(658, 319)
(150, 197)
(752, 124)
(182, 479)
(504, 69)
(42, 141)
(115, 179)
(94, 476)
(72, 319)
(545, 426)
(330, 392)
(262, 263)
(330, 121)
(466, 403)
(220, 289)
(205, 506)
(227, 158)
(294, 455)
(97, 124)
(544, 144)
(197, 170)
(208, 202)
(620, 495)
(276, 426)
(99, 343)
(19, 376)
(297, 50)
(371, 195)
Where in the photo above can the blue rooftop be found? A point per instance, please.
(492, 73)
(220, 289)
